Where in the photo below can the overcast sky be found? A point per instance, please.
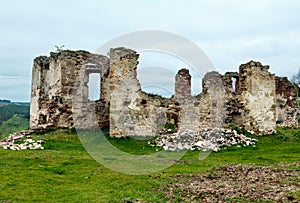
(230, 32)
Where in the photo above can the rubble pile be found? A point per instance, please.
(16, 142)
(205, 140)
(289, 124)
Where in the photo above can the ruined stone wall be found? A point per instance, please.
(234, 108)
(252, 99)
(212, 101)
(128, 111)
(91, 114)
(183, 84)
(38, 95)
(257, 95)
(60, 80)
(285, 99)
(189, 112)
(132, 111)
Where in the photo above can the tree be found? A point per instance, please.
(60, 48)
(296, 78)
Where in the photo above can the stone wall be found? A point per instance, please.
(257, 96)
(286, 94)
(132, 111)
(252, 98)
(129, 111)
(60, 80)
(212, 101)
(183, 84)
(233, 106)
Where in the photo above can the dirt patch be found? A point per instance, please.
(238, 183)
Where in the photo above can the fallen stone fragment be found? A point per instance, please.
(28, 143)
(205, 140)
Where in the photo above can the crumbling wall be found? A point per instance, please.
(234, 108)
(212, 101)
(183, 84)
(131, 111)
(286, 110)
(134, 112)
(41, 65)
(188, 117)
(252, 99)
(257, 89)
(56, 85)
(91, 114)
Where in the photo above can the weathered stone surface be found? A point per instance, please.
(183, 84)
(252, 99)
(257, 95)
(61, 79)
(212, 101)
(286, 111)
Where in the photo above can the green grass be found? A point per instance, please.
(12, 125)
(13, 118)
(65, 172)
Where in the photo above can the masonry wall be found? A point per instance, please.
(183, 84)
(59, 88)
(257, 96)
(234, 108)
(132, 111)
(252, 99)
(285, 102)
(212, 101)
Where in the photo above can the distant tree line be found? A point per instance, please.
(4, 101)
(8, 111)
(13, 118)
(296, 80)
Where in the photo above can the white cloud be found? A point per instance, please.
(230, 32)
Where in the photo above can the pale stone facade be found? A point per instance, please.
(252, 99)
(257, 87)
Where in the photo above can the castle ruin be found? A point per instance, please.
(253, 98)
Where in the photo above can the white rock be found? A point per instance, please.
(29, 141)
(199, 143)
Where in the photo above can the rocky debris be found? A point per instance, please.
(163, 131)
(205, 140)
(289, 124)
(235, 183)
(28, 143)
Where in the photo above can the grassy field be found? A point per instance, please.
(65, 172)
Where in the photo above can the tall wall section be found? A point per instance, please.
(286, 93)
(61, 80)
(257, 96)
(234, 108)
(212, 101)
(132, 111)
(189, 112)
